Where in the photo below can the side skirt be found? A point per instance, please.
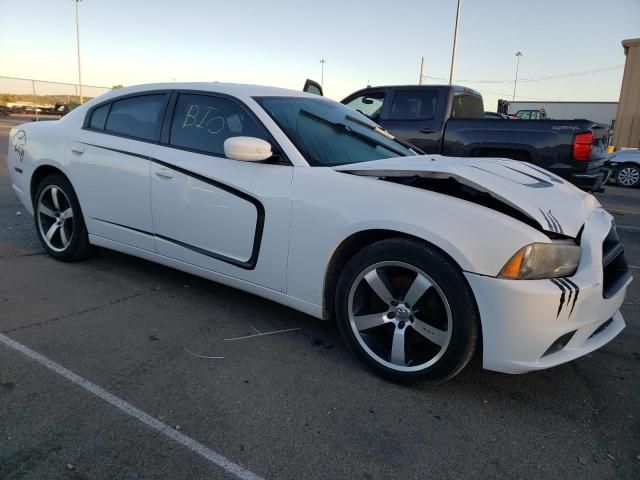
(279, 297)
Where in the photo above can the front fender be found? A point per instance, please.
(329, 207)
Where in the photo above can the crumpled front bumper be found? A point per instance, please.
(536, 324)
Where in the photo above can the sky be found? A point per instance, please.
(281, 43)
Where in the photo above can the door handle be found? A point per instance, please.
(77, 148)
(427, 130)
(164, 173)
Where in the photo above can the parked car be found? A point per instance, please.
(539, 114)
(625, 165)
(495, 116)
(4, 111)
(446, 120)
(422, 259)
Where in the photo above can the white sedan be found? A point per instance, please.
(423, 260)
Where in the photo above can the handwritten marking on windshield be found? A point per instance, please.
(191, 119)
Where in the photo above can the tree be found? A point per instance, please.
(115, 87)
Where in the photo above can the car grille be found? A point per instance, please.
(614, 266)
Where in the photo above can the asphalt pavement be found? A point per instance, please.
(293, 405)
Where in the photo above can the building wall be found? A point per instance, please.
(627, 131)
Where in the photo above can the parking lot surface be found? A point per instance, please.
(292, 405)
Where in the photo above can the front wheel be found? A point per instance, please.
(59, 220)
(407, 312)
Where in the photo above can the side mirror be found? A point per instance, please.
(247, 149)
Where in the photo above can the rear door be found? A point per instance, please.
(110, 165)
(416, 116)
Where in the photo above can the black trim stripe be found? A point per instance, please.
(257, 238)
(577, 291)
(565, 285)
(123, 226)
(555, 220)
(551, 226)
(564, 282)
(562, 295)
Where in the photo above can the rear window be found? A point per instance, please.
(414, 105)
(467, 105)
(137, 117)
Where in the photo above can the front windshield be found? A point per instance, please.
(327, 133)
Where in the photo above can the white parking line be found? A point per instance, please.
(129, 409)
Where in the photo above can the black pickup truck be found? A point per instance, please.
(448, 120)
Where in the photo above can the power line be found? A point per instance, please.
(538, 79)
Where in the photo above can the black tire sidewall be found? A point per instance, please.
(636, 168)
(464, 311)
(78, 247)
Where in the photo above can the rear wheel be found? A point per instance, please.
(59, 220)
(407, 312)
(628, 176)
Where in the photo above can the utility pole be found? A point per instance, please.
(421, 70)
(455, 43)
(515, 82)
(78, 45)
(322, 62)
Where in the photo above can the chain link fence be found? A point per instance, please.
(43, 99)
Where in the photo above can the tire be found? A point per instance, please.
(429, 341)
(628, 176)
(57, 213)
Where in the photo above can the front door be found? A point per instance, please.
(228, 216)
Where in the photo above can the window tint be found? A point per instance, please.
(414, 105)
(369, 104)
(203, 123)
(98, 117)
(466, 105)
(137, 116)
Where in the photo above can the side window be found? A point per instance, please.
(137, 116)
(418, 104)
(98, 117)
(203, 123)
(466, 105)
(369, 104)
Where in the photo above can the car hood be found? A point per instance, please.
(553, 203)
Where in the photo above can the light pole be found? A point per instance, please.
(78, 45)
(455, 43)
(515, 82)
(322, 62)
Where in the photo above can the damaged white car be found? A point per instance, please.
(423, 260)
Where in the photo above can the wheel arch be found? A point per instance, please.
(348, 247)
(39, 174)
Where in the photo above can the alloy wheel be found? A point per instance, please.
(628, 176)
(399, 316)
(55, 218)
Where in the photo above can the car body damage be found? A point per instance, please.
(520, 190)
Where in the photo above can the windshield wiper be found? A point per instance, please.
(343, 127)
(385, 133)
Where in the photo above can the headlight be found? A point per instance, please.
(542, 260)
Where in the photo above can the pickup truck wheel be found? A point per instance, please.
(407, 312)
(59, 222)
(628, 176)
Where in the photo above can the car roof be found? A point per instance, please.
(234, 89)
